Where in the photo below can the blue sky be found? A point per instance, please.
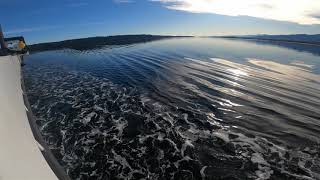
(44, 20)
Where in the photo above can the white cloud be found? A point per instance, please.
(33, 29)
(123, 1)
(297, 11)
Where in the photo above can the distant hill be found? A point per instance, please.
(96, 42)
(298, 42)
(297, 38)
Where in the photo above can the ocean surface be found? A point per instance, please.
(185, 108)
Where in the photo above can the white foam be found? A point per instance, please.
(203, 175)
(88, 118)
(222, 135)
(257, 158)
(185, 145)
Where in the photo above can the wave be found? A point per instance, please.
(178, 117)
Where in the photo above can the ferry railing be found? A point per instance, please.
(13, 45)
(15, 49)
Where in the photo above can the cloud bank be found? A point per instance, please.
(296, 11)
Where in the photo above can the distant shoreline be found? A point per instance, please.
(269, 39)
(97, 42)
(90, 43)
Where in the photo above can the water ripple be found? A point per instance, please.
(168, 110)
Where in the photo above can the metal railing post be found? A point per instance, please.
(2, 42)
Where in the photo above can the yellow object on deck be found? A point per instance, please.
(21, 45)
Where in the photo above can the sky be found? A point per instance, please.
(45, 20)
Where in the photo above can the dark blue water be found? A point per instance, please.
(195, 108)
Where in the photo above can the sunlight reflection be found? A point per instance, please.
(237, 72)
(302, 64)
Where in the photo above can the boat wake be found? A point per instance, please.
(100, 130)
(179, 109)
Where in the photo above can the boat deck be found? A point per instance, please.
(20, 153)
